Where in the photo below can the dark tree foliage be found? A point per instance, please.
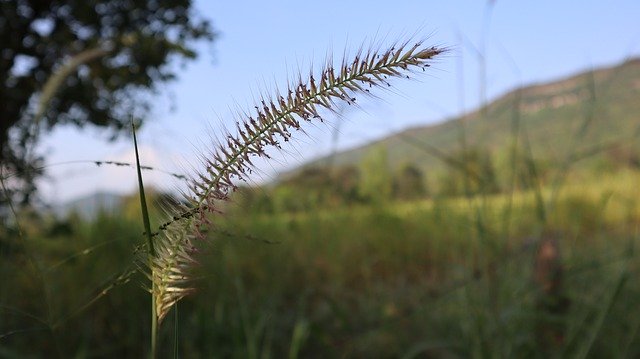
(473, 173)
(409, 183)
(80, 62)
(307, 190)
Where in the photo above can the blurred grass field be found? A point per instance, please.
(433, 278)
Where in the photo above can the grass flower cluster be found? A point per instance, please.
(270, 124)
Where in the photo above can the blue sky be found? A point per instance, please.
(263, 43)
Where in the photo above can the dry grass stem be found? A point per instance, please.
(270, 123)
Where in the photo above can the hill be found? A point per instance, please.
(88, 207)
(589, 113)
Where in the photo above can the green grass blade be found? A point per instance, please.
(298, 337)
(175, 331)
(143, 200)
(586, 346)
(147, 230)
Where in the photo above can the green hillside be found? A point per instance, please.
(594, 114)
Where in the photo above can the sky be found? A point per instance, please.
(496, 46)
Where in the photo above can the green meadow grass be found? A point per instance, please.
(439, 278)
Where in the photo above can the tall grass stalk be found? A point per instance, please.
(171, 250)
(152, 252)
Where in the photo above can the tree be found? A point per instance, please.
(519, 170)
(471, 172)
(346, 179)
(323, 187)
(409, 183)
(79, 62)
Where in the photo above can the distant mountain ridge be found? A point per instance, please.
(88, 207)
(575, 114)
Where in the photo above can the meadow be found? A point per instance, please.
(522, 248)
(441, 277)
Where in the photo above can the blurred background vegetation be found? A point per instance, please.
(507, 232)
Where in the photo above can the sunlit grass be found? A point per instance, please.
(441, 277)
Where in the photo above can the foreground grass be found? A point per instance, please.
(450, 278)
(446, 277)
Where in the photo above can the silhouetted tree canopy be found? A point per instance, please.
(80, 62)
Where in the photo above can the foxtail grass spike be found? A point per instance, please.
(268, 124)
(170, 269)
(273, 118)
